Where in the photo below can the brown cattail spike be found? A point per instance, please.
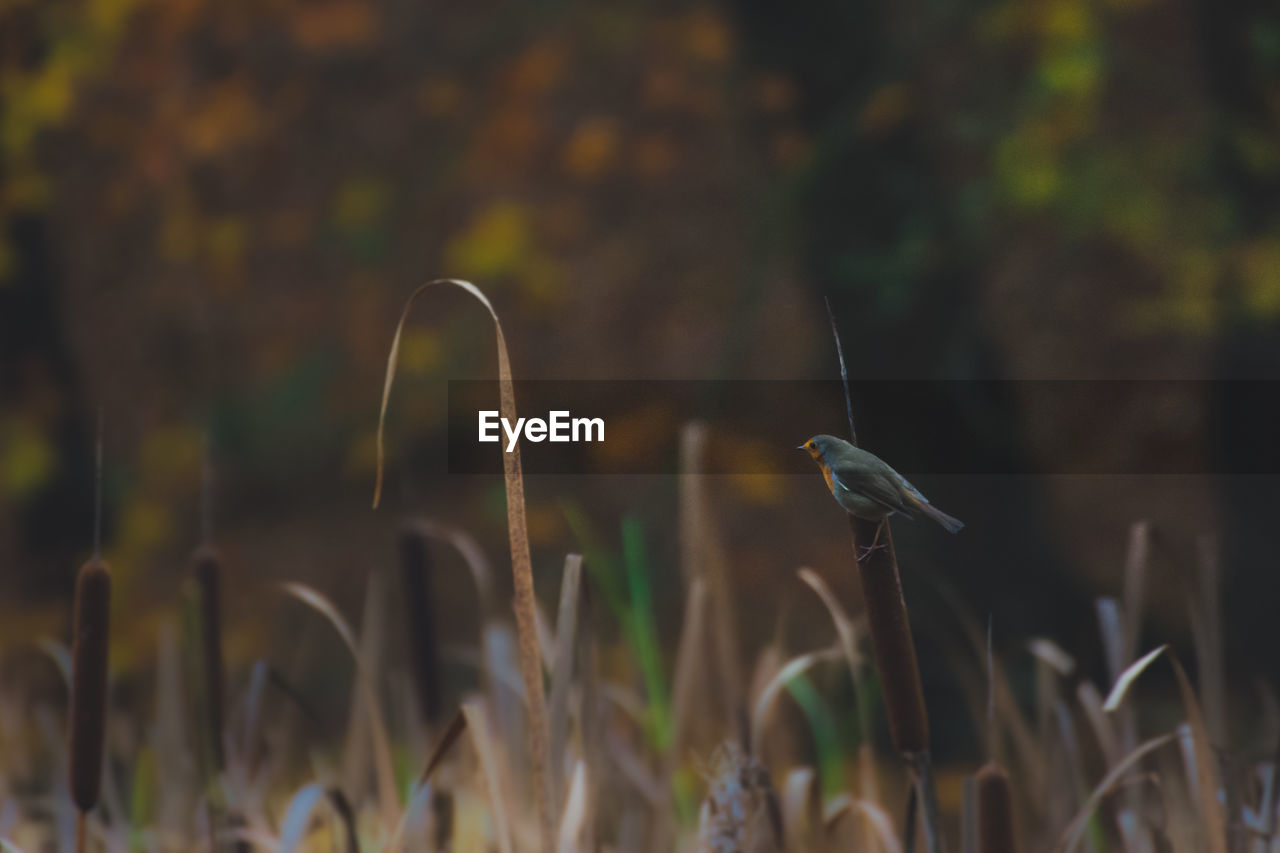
(442, 814)
(424, 652)
(895, 650)
(207, 569)
(89, 682)
(995, 810)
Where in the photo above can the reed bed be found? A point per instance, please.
(567, 745)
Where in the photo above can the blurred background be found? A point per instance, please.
(213, 212)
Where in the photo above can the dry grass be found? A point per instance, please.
(606, 761)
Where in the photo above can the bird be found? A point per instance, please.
(867, 487)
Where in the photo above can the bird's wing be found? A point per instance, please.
(873, 485)
(910, 488)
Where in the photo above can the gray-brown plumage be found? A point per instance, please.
(867, 487)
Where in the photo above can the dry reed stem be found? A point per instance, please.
(355, 758)
(995, 810)
(491, 770)
(1136, 561)
(452, 732)
(690, 677)
(521, 562)
(843, 805)
(1075, 829)
(574, 814)
(1027, 751)
(847, 630)
(447, 739)
(383, 769)
(802, 811)
(472, 554)
(1137, 557)
(89, 682)
(769, 694)
(1207, 781)
(1206, 769)
(562, 671)
(703, 555)
(589, 727)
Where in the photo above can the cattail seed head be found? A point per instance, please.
(89, 682)
(895, 650)
(995, 810)
(442, 813)
(207, 570)
(424, 652)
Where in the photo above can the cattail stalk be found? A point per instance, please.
(995, 810)
(207, 571)
(525, 600)
(424, 647)
(89, 687)
(895, 656)
(895, 650)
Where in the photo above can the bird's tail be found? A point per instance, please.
(953, 525)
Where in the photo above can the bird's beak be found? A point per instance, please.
(799, 447)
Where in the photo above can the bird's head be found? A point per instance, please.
(820, 446)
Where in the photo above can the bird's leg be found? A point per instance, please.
(875, 545)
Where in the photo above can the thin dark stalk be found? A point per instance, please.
(909, 820)
(991, 694)
(207, 569)
(844, 373)
(342, 807)
(206, 493)
(424, 648)
(97, 491)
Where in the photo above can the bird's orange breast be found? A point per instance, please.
(826, 475)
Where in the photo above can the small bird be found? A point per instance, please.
(866, 486)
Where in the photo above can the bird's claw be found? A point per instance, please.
(866, 551)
